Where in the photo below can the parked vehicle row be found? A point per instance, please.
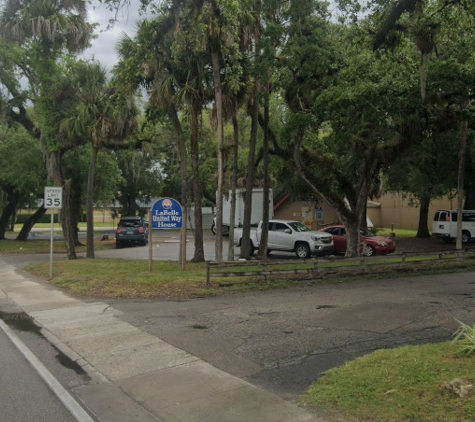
(293, 236)
(283, 235)
(289, 236)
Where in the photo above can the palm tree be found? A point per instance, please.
(103, 117)
(46, 29)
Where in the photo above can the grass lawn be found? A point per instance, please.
(398, 232)
(11, 246)
(396, 385)
(118, 278)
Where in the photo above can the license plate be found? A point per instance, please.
(129, 232)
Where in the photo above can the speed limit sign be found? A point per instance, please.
(53, 197)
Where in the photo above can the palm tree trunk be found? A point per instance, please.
(460, 181)
(232, 216)
(199, 255)
(219, 194)
(182, 161)
(265, 217)
(246, 231)
(66, 221)
(90, 205)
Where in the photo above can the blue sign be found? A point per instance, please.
(319, 214)
(167, 214)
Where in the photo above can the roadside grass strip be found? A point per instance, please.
(32, 246)
(119, 278)
(410, 383)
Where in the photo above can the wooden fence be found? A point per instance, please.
(325, 266)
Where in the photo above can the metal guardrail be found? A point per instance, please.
(323, 266)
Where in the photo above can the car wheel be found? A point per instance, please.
(465, 236)
(369, 251)
(213, 228)
(302, 251)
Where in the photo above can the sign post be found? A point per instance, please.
(53, 200)
(167, 213)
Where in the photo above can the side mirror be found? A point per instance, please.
(288, 231)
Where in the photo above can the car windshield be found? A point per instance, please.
(299, 227)
(366, 233)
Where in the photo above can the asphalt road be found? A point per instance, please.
(284, 340)
(24, 396)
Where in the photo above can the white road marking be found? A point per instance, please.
(69, 402)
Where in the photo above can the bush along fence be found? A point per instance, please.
(322, 267)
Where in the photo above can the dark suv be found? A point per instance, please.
(131, 230)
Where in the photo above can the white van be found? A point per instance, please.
(445, 225)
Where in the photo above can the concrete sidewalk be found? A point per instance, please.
(136, 376)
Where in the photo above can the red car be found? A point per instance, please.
(374, 244)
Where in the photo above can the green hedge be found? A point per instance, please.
(21, 218)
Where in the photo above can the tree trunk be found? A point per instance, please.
(364, 219)
(423, 228)
(460, 186)
(219, 195)
(246, 230)
(262, 254)
(232, 216)
(8, 211)
(76, 211)
(66, 222)
(181, 147)
(29, 223)
(12, 221)
(199, 255)
(469, 203)
(90, 205)
(353, 236)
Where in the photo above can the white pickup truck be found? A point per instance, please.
(289, 236)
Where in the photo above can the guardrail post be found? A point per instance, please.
(404, 257)
(264, 268)
(207, 273)
(315, 266)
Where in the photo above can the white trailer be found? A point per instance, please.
(257, 209)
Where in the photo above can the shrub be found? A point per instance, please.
(465, 338)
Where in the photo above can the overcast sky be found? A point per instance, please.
(104, 47)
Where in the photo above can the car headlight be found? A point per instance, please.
(315, 238)
(382, 244)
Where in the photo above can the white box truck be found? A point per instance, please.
(256, 210)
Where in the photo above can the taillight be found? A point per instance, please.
(119, 230)
(141, 230)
